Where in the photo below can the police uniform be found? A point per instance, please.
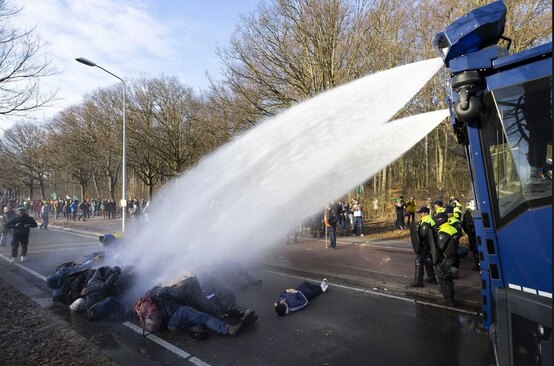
(445, 255)
(468, 226)
(422, 235)
(456, 224)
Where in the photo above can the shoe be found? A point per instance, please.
(22, 258)
(234, 329)
(198, 332)
(248, 316)
(324, 285)
(13, 259)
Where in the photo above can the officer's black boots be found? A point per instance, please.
(447, 288)
(430, 271)
(418, 278)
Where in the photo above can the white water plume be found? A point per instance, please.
(242, 198)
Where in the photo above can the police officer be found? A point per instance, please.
(438, 207)
(468, 226)
(456, 224)
(422, 236)
(445, 254)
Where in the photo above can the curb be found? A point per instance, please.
(78, 231)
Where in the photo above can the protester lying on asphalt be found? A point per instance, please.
(165, 308)
(216, 301)
(70, 278)
(99, 294)
(297, 299)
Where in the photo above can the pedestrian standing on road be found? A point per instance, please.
(445, 256)
(74, 207)
(9, 214)
(357, 228)
(344, 211)
(411, 209)
(330, 218)
(83, 210)
(292, 300)
(45, 215)
(468, 226)
(438, 207)
(423, 237)
(399, 207)
(21, 225)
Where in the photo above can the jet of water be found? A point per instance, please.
(243, 198)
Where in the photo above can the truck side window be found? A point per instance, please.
(519, 141)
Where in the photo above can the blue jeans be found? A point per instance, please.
(107, 308)
(358, 222)
(332, 236)
(185, 317)
(309, 290)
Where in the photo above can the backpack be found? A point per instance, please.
(149, 314)
(332, 216)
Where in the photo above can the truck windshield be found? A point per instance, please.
(517, 135)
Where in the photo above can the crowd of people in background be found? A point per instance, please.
(71, 209)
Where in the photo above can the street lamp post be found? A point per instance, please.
(123, 202)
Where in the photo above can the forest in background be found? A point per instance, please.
(281, 54)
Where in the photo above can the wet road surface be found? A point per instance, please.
(340, 327)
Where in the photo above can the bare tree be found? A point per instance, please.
(20, 67)
(24, 144)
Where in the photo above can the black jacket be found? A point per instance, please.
(101, 285)
(18, 224)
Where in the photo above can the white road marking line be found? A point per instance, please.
(198, 362)
(36, 274)
(179, 352)
(153, 338)
(380, 294)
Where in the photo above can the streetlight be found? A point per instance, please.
(123, 202)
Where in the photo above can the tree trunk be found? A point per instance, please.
(31, 188)
(42, 191)
(426, 162)
(95, 182)
(83, 190)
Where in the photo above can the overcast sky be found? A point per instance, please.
(130, 38)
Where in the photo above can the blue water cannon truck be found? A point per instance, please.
(501, 112)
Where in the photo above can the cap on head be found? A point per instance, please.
(424, 210)
(449, 209)
(21, 209)
(439, 203)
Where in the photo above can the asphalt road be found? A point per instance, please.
(344, 326)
